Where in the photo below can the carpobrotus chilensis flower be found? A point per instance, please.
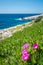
(35, 46)
(25, 46)
(25, 57)
(24, 52)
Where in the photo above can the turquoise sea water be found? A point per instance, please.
(9, 20)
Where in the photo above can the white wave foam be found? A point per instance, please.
(19, 19)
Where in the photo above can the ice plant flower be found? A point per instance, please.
(35, 46)
(25, 46)
(24, 52)
(25, 57)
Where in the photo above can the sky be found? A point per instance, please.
(21, 6)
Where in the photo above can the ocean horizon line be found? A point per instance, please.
(21, 13)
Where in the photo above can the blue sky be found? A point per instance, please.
(21, 6)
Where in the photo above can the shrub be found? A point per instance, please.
(38, 19)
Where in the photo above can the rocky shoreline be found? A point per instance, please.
(5, 33)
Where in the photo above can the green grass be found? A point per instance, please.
(10, 48)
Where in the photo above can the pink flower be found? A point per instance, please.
(25, 46)
(24, 52)
(35, 46)
(25, 57)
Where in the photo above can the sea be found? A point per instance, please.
(10, 20)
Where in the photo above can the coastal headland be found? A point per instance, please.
(31, 17)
